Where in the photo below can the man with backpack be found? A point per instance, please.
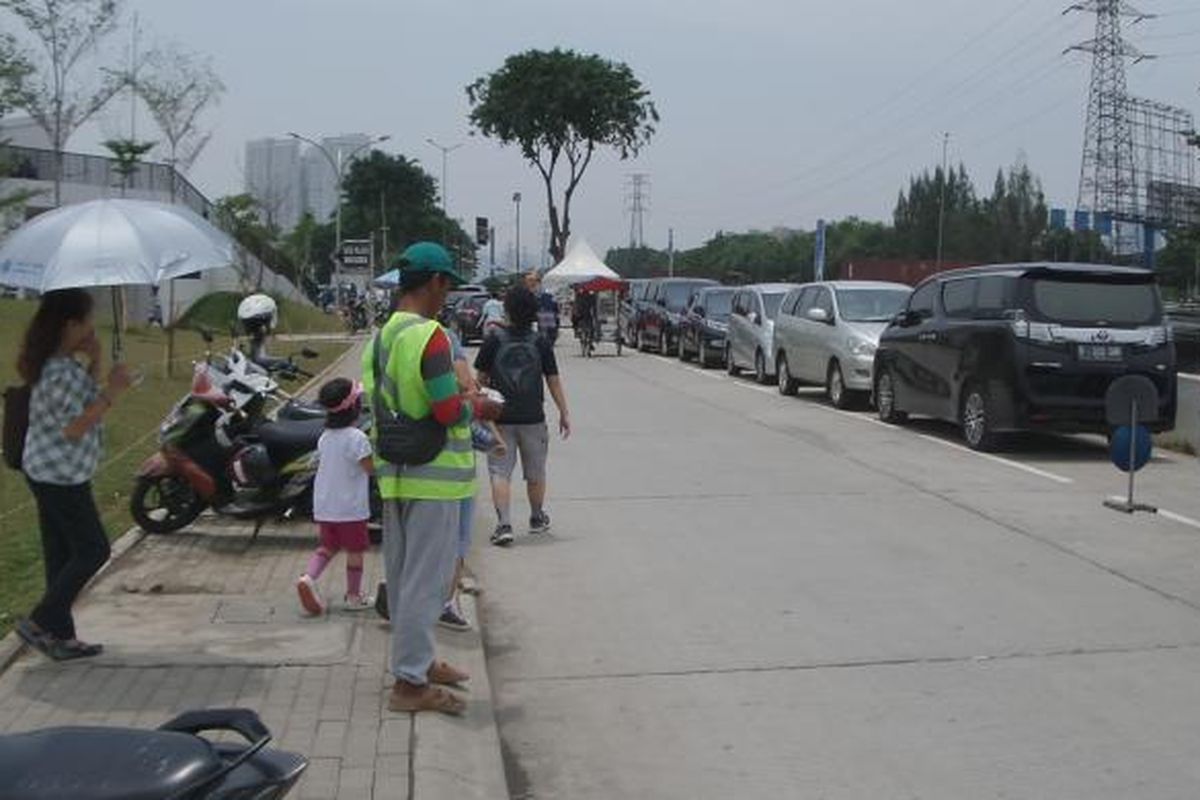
(516, 361)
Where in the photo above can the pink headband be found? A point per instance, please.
(351, 398)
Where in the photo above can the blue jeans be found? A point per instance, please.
(466, 523)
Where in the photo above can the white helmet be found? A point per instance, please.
(258, 313)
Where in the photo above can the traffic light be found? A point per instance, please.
(481, 231)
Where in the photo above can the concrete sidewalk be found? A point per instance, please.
(208, 618)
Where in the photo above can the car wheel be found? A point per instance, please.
(760, 368)
(835, 387)
(787, 384)
(730, 365)
(885, 399)
(976, 419)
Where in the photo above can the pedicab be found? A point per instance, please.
(596, 313)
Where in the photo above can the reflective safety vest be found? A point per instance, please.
(451, 475)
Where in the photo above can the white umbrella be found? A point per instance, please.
(111, 243)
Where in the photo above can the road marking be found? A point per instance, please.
(861, 417)
(1041, 473)
(1180, 518)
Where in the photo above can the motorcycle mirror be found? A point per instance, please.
(308, 352)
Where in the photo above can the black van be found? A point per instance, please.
(1022, 346)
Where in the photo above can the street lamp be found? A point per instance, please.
(446, 151)
(339, 164)
(517, 203)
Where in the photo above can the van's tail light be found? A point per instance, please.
(1022, 328)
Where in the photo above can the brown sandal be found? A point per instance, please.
(406, 697)
(443, 674)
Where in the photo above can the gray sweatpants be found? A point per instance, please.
(420, 547)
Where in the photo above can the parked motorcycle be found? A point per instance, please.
(222, 448)
(174, 762)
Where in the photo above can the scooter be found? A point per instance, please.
(221, 449)
(173, 762)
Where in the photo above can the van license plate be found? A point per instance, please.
(1101, 352)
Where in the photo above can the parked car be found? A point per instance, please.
(631, 308)
(705, 324)
(1015, 347)
(668, 300)
(751, 339)
(827, 334)
(468, 317)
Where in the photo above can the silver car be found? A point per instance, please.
(827, 333)
(750, 341)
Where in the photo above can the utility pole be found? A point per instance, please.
(638, 202)
(383, 227)
(517, 251)
(1108, 178)
(942, 204)
(446, 151)
(670, 252)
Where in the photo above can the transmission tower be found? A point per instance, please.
(1108, 179)
(637, 198)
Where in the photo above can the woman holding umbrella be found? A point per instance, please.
(62, 449)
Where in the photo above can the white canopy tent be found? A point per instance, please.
(580, 264)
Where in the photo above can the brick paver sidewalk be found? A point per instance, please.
(207, 618)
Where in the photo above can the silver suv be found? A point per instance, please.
(751, 337)
(827, 333)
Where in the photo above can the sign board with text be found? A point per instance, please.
(357, 254)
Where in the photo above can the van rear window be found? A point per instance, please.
(1095, 301)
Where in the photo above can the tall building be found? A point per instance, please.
(274, 179)
(320, 180)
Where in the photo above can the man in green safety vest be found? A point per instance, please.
(421, 502)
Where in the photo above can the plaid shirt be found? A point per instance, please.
(60, 395)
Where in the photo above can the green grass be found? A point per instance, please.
(130, 436)
(217, 311)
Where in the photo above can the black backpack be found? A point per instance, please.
(16, 423)
(517, 371)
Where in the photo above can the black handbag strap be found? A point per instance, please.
(377, 404)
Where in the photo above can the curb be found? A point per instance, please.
(11, 646)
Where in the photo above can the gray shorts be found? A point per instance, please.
(533, 443)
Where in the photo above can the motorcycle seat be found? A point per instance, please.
(287, 440)
(92, 763)
(300, 410)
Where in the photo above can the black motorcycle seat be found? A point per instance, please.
(287, 440)
(91, 763)
(300, 410)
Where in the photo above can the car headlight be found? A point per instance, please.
(861, 348)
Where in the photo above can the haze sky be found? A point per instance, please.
(774, 112)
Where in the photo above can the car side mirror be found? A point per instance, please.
(754, 318)
(819, 315)
(699, 311)
(906, 319)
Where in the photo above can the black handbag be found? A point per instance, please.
(16, 424)
(399, 438)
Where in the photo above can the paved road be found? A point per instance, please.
(754, 596)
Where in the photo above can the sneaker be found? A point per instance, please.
(358, 602)
(452, 619)
(502, 536)
(539, 523)
(310, 598)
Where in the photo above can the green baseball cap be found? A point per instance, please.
(429, 257)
